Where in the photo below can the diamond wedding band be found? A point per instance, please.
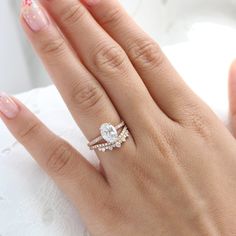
(112, 137)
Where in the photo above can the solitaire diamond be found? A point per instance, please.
(109, 133)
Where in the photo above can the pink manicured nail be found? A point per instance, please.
(7, 106)
(34, 15)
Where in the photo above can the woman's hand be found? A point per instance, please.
(175, 175)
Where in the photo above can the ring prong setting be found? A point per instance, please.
(109, 133)
(114, 139)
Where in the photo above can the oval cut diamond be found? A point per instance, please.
(109, 133)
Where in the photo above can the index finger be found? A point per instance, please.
(85, 186)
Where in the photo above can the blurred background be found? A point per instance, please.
(170, 22)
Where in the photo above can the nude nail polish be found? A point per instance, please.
(7, 106)
(34, 15)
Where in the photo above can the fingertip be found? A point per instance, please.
(9, 107)
(34, 15)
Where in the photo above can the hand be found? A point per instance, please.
(175, 175)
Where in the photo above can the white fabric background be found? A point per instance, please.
(30, 203)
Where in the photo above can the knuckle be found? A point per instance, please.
(30, 131)
(201, 126)
(73, 14)
(198, 120)
(87, 96)
(146, 54)
(109, 212)
(59, 158)
(109, 58)
(163, 139)
(53, 47)
(112, 17)
(144, 177)
(166, 142)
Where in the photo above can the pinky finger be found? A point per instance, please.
(73, 174)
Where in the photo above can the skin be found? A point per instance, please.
(232, 97)
(176, 173)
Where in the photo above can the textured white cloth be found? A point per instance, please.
(30, 203)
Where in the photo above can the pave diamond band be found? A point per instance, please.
(111, 135)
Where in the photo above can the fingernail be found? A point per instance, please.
(34, 16)
(7, 106)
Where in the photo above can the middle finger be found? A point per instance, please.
(106, 60)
